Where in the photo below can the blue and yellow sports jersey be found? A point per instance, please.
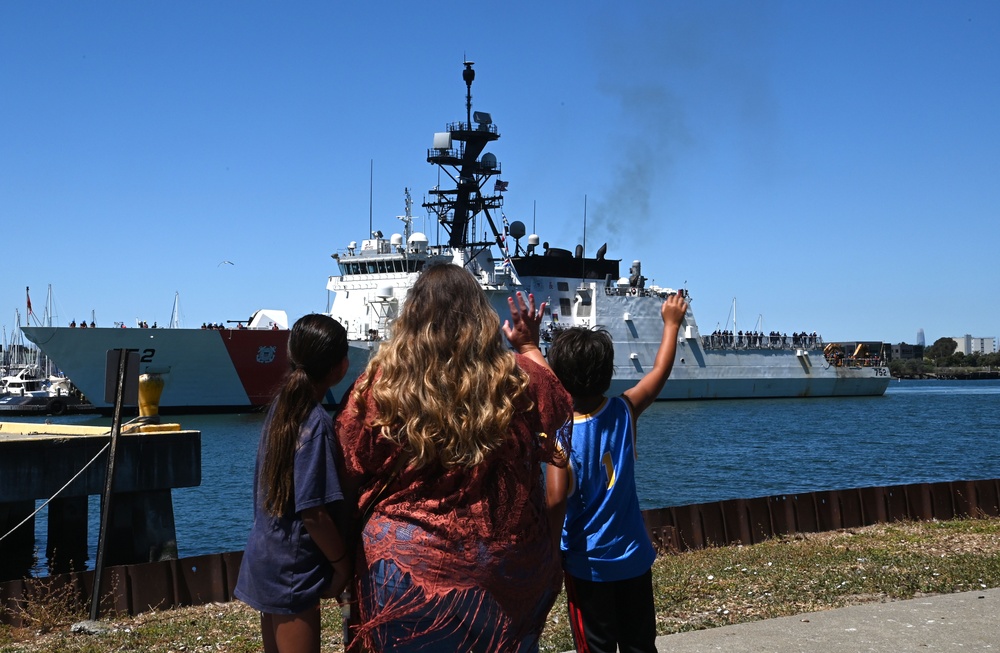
(604, 537)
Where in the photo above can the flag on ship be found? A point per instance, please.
(27, 292)
(500, 186)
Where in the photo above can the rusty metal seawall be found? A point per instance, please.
(132, 589)
(749, 521)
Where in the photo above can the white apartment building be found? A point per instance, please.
(969, 345)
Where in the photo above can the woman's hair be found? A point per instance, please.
(584, 360)
(316, 344)
(445, 386)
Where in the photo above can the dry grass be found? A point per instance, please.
(694, 590)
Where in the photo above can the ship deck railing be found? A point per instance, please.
(859, 361)
(777, 343)
(762, 342)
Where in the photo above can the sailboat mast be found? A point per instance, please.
(175, 317)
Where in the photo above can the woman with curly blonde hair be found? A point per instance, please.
(444, 437)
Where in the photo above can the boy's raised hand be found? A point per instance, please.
(673, 309)
(644, 393)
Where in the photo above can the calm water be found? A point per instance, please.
(689, 452)
(920, 431)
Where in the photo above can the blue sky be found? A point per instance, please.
(828, 166)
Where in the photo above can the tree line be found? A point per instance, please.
(942, 355)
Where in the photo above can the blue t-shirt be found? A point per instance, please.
(283, 571)
(604, 537)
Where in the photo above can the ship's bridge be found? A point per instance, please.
(380, 265)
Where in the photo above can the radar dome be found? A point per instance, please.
(396, 240)
(418, 242)
(489, 161)
(517, 229)
(533, 239)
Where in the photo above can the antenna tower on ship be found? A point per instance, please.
(408, 218)
(470, 169)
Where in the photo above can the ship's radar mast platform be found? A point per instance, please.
(458, 152)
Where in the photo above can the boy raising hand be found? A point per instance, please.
(607, 554)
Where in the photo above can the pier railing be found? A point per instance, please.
(132, 589)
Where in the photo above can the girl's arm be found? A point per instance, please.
(327, 537)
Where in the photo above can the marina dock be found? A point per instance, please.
(41, 461)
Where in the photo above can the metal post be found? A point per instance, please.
(116, 424)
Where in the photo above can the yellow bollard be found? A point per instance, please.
(150, 389)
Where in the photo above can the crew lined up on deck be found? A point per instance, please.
(755, 339)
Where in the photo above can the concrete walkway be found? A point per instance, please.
(969, 621)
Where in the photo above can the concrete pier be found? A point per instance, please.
(38, 459)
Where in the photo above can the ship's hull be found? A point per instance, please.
(756, 374)
(750, 374)
(204, 370)
(231, 370)
(207, 370)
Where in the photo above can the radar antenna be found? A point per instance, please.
(470, 169)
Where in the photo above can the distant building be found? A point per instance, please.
(969, 345)
(903, 351)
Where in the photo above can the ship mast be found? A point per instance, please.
(407, 219)
(470, 170)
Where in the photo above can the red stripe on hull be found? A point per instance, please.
(260, 359)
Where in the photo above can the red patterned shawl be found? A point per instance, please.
(482, 529)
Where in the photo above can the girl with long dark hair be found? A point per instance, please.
(296, 552)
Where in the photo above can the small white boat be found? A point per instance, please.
(25, 381)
